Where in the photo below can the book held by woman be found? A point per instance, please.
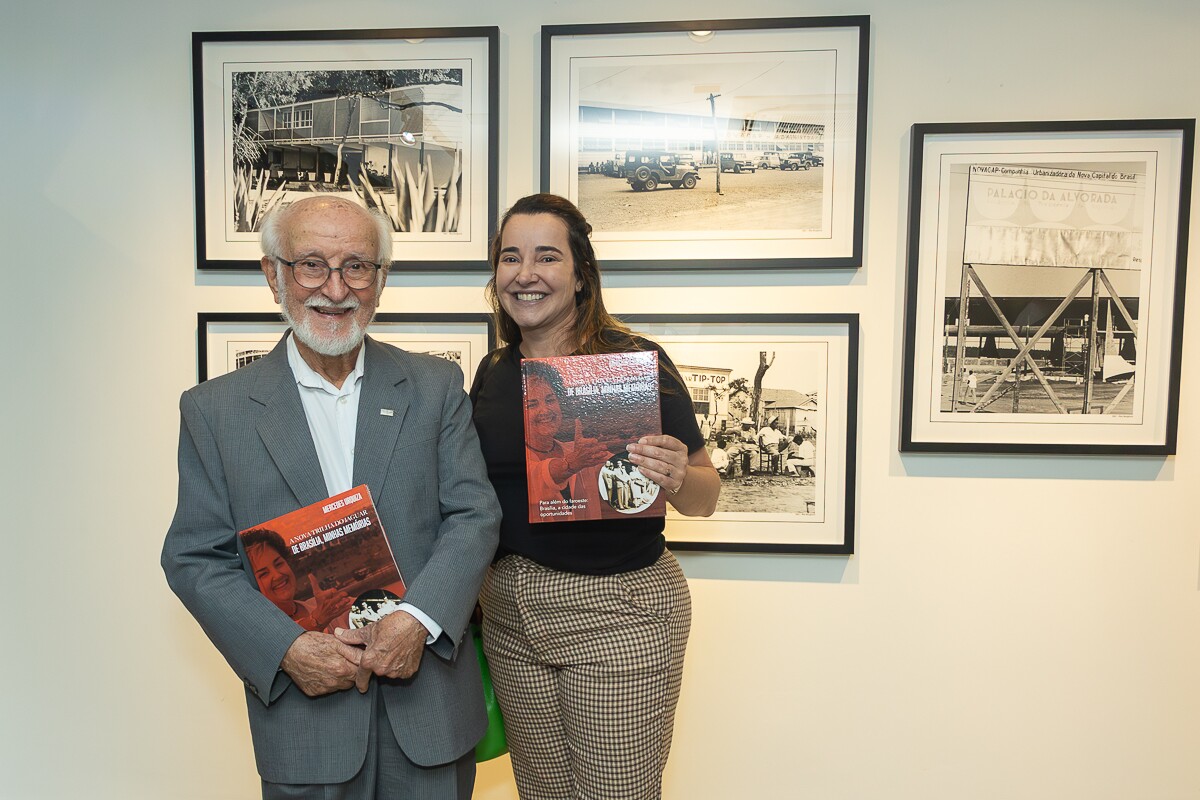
(581, 413)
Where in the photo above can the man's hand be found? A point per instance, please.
(319, 664)
(394, 645)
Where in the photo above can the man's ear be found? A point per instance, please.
(268, 268)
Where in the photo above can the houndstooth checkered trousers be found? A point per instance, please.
(587, 671)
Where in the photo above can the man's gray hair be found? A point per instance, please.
(277, 219)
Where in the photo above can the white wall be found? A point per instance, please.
(1010, 627)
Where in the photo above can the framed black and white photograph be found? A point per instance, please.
(1046, 265)
(776, 398)
(711, 144)
(229, 340)
(402, 121)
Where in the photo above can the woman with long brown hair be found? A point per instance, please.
(585, 623)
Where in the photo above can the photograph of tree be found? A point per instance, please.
(776, 399)
(761, 407)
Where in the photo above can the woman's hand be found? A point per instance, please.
(329, 604)
(692, 483)
(584, 452)
(663, 459)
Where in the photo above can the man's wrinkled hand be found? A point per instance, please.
(394, 646)
(319, 664)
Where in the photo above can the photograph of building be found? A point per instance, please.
(760, 404)
(1042, 291)
(392, 139)
(759, 125)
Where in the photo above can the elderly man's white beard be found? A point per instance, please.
(325, 344)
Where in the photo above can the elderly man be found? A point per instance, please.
(349, 714)
(772, 442)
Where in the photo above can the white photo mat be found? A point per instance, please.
(813, 357)
(226, 337)
(1131, 182)
(790, 76)
(216, 61)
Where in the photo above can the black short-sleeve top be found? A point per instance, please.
(594, 547)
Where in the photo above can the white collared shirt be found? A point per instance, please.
(332, 415)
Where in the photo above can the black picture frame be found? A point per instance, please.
(473, 333)
(436, 138)
(596, 78)
(763, 508)
(1012, 221)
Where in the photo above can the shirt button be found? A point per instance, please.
(343, 400)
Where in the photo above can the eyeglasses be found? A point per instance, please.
(312, 273)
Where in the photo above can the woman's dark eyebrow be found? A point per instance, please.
(539, 249)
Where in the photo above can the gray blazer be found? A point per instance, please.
(246, 456)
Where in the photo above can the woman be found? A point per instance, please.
(585, 623)
(570, 469)
(268, 557)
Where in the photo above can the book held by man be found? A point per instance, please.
(327, 565)
(581, 414)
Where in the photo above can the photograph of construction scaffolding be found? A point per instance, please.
(1042, 291)
(1044, 295)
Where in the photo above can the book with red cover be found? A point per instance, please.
(327, 565)
(581, 413)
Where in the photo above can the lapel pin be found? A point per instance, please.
(386, 412)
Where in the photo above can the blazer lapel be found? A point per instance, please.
(381, 411)
(283, 428)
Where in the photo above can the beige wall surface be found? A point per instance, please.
(1010, 627)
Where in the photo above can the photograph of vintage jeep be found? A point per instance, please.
(790, 161)
(731, 163)
(646, 169)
